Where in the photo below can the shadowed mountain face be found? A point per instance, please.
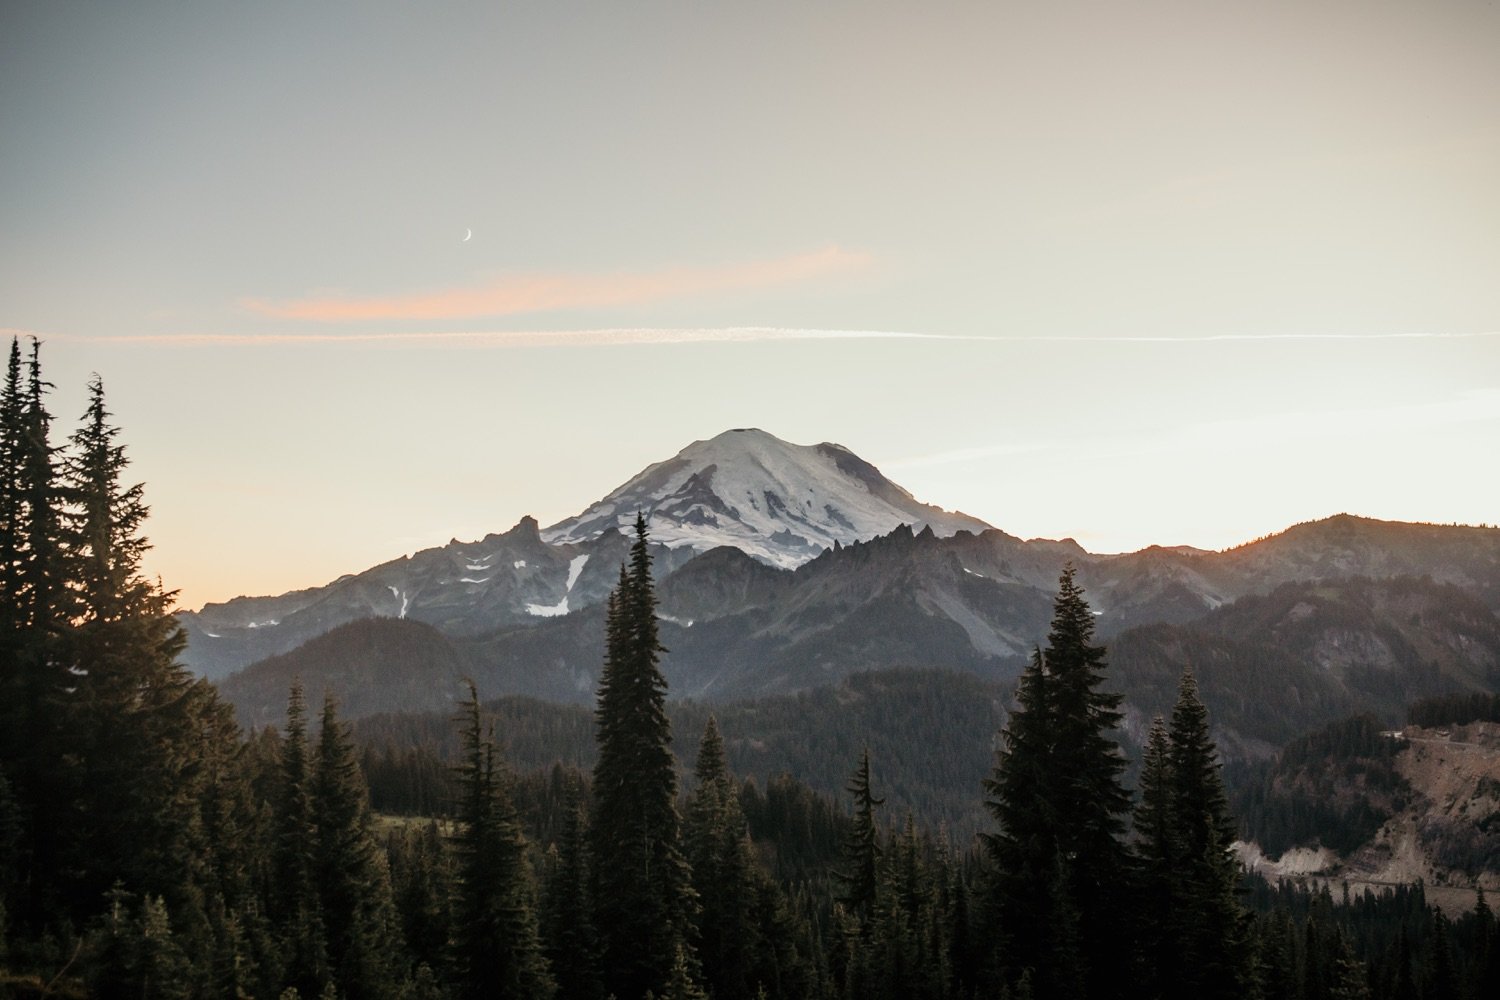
(1272, 659)
(1275, 665)
(370, 666)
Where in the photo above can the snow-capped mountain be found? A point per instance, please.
(780, 503)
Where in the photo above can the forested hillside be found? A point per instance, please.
(918, 725)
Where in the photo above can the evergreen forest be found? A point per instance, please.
(152, 847)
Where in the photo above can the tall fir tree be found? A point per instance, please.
(354, 889)
(16, 709)
(1159, 856)
(861, 850)
(1212, 930)
(496, 948)
(294, 904)
(137, 719)
(1057, 797)
(642, 892)
(723, 874)
(12, 416)
(34, 678)
(1032, 932)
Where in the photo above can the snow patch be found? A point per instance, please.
(265, 624)
(470, 579)
(575, 568)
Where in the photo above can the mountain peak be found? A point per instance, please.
(780, 502)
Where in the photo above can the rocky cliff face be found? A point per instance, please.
(1446, 835)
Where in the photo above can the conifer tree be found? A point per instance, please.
(1442, 973)
(861, 856)
(1159, 855)
(34, 679)
(496, 949)
(40, 572)
(137, 720)
(1056, 795)
(908, 952)
(235, 830)
(1038, 932)
(570, 941)
(1212, 944)
(354, 891)
(294, 904)
(13, 689)
(723, 874)
(1195, 936)
(1486, 974)
(12, 435)
(137, 955)
(642, 894)
(681, 984)
(963, 960)
(421, 883)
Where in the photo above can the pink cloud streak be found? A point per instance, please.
(528, 293)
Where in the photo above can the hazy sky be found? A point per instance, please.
(1143, 271)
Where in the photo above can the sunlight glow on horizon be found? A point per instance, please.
(1084, 269)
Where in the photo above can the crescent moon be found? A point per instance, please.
(468, 235)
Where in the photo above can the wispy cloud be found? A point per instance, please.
(626, 336)
(532, 293)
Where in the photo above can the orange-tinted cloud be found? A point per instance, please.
(529, 293)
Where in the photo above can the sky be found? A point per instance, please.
(363, 277)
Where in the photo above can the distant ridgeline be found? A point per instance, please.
(791, 568)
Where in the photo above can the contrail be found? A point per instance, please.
(476, 338)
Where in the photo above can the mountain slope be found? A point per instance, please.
(369, 666)
(1275, 665)
(1272, 664)
(781, 503)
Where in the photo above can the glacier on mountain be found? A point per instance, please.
(781, 503)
